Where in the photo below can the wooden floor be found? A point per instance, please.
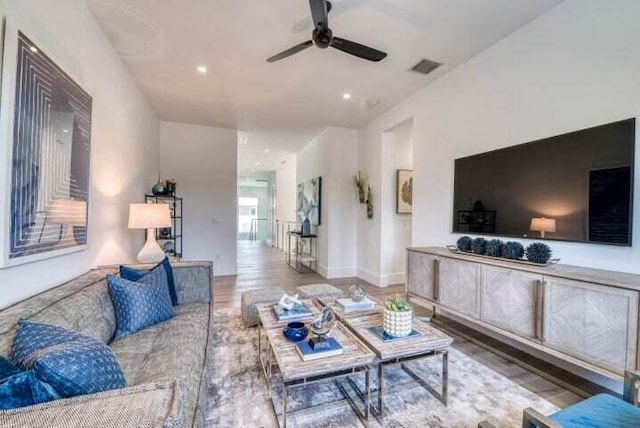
(261, 266)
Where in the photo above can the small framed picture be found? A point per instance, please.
(404, 191)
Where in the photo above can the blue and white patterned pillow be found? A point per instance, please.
(139, 304)
(72, 363)
(135, 274)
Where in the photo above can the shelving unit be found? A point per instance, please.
(303, 252)
(169, 238)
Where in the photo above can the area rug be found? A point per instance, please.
(237, 394)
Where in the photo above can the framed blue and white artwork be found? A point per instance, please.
(45, 118)
(310, 201)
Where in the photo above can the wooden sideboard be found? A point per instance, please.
(586, 317)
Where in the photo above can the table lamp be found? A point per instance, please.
(542, 225)
(150, 217)
(68, 213)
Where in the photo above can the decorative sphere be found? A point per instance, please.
(464, 244)
(478, 245)
(513, 250)
(538, 252)
(494, 248)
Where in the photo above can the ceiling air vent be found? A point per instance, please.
(425, 66)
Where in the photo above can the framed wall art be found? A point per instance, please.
(404, 191)
(310, 201)
(46, 119)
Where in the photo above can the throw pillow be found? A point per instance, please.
(7, 369)
(135, 274)
(24, 389)
(141, 303)
(72, 363)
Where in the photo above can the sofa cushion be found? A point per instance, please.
(174, 349)
(25, 389)
(141, 303)
(599, 411)
(72, 363)
(135, 274)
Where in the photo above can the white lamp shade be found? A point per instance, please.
(543, 224)
(68, 212)
(144, 216)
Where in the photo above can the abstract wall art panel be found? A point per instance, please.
(50, 137)
(309, 201)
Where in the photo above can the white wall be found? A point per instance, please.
(333, 155)
(124, 146)
(574, 67)
(286, 190)
(203, 161)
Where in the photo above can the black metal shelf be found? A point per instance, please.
(175, 206)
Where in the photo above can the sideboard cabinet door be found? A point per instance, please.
(592, 322)
(509, 300)
(458, 286)
(422, 274)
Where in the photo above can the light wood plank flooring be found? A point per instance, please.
(262, 266)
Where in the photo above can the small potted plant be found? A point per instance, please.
(397, 318)
(359, 180)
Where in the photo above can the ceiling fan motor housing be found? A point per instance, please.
(322, 38)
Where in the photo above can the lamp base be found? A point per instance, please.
(151, 252)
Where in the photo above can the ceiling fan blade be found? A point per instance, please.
(357, 49)
(319, 13)
(290, 51)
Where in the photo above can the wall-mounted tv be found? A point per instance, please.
(571, 187)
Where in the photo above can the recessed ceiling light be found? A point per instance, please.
(266, 150)
(257, 163)
(33, 49)
(66, 131)
(346, 96)
(202, 69)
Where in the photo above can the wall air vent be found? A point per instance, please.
(261, 180)
(425, 66)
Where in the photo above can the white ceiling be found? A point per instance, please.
(285, 104)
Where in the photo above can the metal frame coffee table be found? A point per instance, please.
(430, 343)
(283, 367)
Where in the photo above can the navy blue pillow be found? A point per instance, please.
(141, 303)
(72, 363)
(135, 274)
(7, 369)
(24, 389)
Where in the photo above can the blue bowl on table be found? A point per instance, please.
(295, 331)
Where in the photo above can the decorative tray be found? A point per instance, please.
(455, 250)
(380, 334)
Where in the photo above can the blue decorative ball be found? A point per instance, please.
(538, 252)
(478, 245)
(464, 244)
(494, 248)
(513, 250)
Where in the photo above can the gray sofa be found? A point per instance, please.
(164, 364)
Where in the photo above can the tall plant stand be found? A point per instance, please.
(303, 252)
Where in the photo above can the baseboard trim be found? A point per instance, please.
(370, 277)
(224, 270)
(394, 278)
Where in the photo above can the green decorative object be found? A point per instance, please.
(397, 304)
(479, 245)
(494, 248)
(464, 244)
(369, 203)
(513, 250)
(360, 182)
(538, 252)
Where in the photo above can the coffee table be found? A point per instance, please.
(430, 343)
(283, 367)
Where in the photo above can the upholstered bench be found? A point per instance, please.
(313, 291)
(250, 298)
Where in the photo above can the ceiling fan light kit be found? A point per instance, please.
(323, 37)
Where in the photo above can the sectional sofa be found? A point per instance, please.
(164, 364)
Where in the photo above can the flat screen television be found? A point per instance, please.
(571, 187)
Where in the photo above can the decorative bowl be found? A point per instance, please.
(295, 331)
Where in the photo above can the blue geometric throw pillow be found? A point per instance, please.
(7, 369)
(141, 303)
(72, 363)
(135, 274)
(24, 389)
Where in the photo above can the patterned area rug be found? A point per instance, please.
(237, 394)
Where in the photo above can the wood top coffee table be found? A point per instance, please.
(283, 367)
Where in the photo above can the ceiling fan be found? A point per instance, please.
(322, 37)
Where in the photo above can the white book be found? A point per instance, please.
(348, 304)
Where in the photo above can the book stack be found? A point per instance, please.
(307, 353)
(349, 305)
(299, 310)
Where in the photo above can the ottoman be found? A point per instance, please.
(312, 291)
(249, 300)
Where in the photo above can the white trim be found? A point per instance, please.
(394, 278)
(341, 272)
(370, 277)
(224, 270)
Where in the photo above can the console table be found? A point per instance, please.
(302, 255)
(583, 316)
